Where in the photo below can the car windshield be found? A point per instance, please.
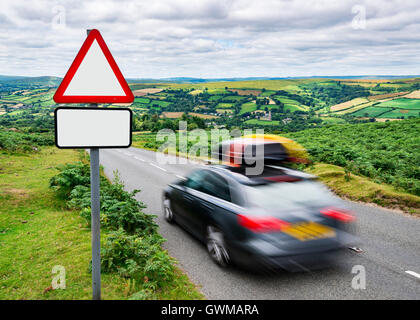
(286, 195)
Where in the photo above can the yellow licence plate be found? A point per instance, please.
(309, 230)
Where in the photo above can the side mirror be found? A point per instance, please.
(182, 182)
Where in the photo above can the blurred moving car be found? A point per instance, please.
(280, 219)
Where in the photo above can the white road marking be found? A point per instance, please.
(127, 153)
(180, 177)
(158, 167)
(138, 158)
(414, 274)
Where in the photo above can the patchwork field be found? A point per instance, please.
(387, 95)
(348, 104)
(402, 103)
(248, 107)
(246, 92)
(176, 115)
(400, 113)
(262, 122)
(224, 110)
(370, 112)
(223, 105)
(413, 95)
(146, 91)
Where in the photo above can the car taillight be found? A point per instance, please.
(338, 214)
(262, 224)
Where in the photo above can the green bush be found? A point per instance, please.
(119, 208)
(140, 258)
(69, 177)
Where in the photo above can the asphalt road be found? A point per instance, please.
(390, 243)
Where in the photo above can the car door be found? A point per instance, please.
(206, 202)
(186, 203)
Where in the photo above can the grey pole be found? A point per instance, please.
(95, 223)
(95, 220)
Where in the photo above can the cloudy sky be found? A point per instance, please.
(211, 38)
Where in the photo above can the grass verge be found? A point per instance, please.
(37, 232)
(363, 189)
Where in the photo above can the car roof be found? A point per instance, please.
(270, 174)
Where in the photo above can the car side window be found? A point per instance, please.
(194, 181)
(215, 185)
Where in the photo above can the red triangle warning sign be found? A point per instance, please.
(94, 77)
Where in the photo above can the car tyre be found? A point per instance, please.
(216, 247)
(168, 213)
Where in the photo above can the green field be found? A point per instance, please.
(160, 103)
(400, 114)
(290, 104)
(370, 112)
(223, 105)
(217, 91)
(402, 103)
(141, 100)
(233, 98)
(215, 98)
(248, 107)
(267, 93)
(262, 122)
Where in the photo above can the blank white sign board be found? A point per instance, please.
(93, 127)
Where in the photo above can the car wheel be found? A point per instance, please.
(168, 214)
(216, 247)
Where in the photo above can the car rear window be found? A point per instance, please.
(287, 195)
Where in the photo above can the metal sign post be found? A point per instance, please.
(93, 77)
(95, 222)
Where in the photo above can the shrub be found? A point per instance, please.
(70, 176)
(140, 258)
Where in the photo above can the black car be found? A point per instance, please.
(281, 219)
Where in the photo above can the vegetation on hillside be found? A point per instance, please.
(12, 141)
(386, 152)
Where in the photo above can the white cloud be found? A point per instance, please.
(234, 38)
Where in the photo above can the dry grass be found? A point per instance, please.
(171, 115)
(387, 95)
(122, 104)
(355, 108)
(413, 95)
(176, 115)
(203, 116)
(348, 104)
(224, 111)
(244, 92)
(385, 119)
(145, 91)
